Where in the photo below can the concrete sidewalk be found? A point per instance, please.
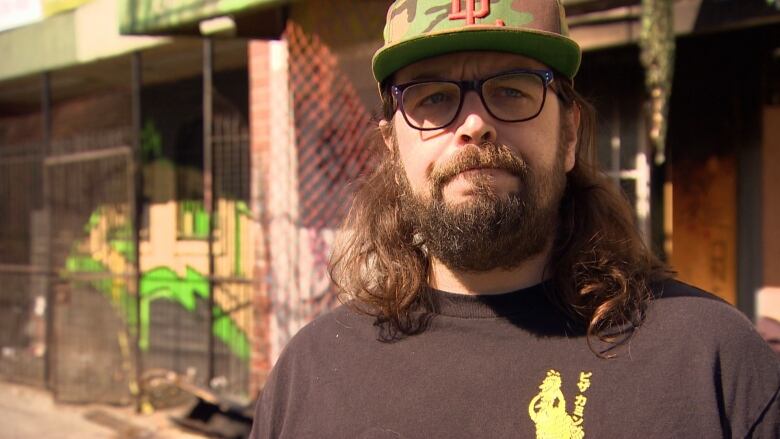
(30, 412)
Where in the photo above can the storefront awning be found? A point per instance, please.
(249, 18)
(18, 13)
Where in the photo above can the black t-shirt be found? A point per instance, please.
(510, 366)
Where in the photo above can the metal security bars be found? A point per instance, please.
(104, 277)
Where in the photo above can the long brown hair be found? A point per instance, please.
(602, 271)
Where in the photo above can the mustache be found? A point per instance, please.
(486, 155)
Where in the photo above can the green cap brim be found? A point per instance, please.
(557, 52)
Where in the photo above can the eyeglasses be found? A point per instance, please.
(513, 96)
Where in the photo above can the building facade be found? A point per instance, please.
(172, 176)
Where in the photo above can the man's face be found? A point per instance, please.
(484, 192)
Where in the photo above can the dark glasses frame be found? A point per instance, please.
(397, 91)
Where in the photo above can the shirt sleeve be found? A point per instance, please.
(283, 409)
(272, 407)
(750, 375)
(768, 424)
(263, 426)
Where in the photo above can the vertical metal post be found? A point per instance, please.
(46, 134)
(615, 145)
(643, 185)
(137, 214)
(208, 190)
(46, 109)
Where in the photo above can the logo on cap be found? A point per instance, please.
(471, 14)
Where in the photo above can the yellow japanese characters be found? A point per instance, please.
(548, 408)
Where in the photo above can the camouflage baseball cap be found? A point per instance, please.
(419, 29)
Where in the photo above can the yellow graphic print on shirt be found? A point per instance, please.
(548, 408)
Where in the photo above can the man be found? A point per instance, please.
(493, 280)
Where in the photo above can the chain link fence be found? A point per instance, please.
(329, 146)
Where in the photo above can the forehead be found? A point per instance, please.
(465, 65)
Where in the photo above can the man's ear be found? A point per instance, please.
(386, 129)
(571, 133)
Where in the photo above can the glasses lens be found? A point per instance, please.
(515, 96)
(431, 105)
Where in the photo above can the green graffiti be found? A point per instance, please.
(120, 239)
(193, 216)
(164, 283)
(86, 264)
(115, 289)
(241, 209)
(124, 247)
(160, 283)
(93, 221)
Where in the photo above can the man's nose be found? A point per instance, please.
(475, 124)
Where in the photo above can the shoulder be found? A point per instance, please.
(690, 321)
(334, 331)
(720, 345)
(677, 303)
(338, 322)
(309, 361)
(675, 289)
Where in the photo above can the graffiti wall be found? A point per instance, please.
(172, 315)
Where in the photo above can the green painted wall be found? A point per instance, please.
(153, 16)
(76, 36)
(38, 47)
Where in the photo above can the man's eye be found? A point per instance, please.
(508, 92)
(434, 99)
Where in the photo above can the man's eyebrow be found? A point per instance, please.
(426, 75)
(433, 75)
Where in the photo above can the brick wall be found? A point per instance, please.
(79, 116)
(24, 129)
(311, 101)
(91, 114)
(260, 140)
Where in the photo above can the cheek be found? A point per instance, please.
(415, 167)
(416, 156)
(538, 142)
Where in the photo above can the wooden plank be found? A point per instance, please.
(771, 201)
(705, 224)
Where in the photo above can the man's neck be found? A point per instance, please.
(529, 273)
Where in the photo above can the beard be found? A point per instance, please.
(489, 230)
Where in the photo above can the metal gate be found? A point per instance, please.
(233, 271)
(89, 192)
(195, 297)
(23, 279)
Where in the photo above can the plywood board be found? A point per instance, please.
(770, 159)
(705, 226)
